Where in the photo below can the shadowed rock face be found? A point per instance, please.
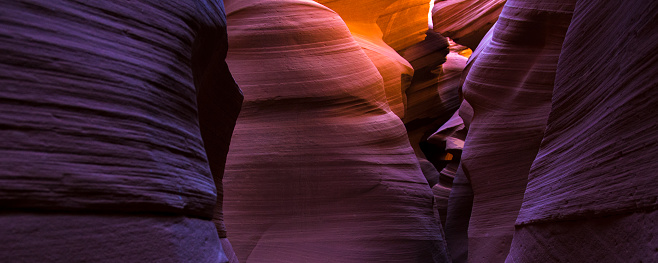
(320, 169)
(433, 95)
(99, 116)
(460, 197)
(508, 86)
(465, 21)
(592, 190)
(450, 137)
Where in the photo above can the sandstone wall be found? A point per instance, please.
(102, 156)
(320, 169)
(592, 189)
(509, 86)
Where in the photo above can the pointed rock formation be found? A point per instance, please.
(320, 169)
(592, 190)
(509, 86)
(102, 157)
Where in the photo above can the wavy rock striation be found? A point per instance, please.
(465, 21)
(362, 19)
(102, 157)
(320, 169)
(509, 86)
(592, 190)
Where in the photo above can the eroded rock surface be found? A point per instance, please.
(509, 86)
(102, 157)
(433, 95)
(465, 21)
(592, 190)
(362, 17)
(403, 23)
(320, 169)
(459, 203)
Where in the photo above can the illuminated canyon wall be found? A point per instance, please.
(320, 168)
(366, 133)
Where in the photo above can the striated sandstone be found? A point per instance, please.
(465, 21)
(592, 189)
(432, 95)
(450, 137)
(361, 17)
(320, 169)
(459, 203)
(404, 23)
(102, 156)
(508, 85)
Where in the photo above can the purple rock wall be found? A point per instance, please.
(592, 190)
(101, 130)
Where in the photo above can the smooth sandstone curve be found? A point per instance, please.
(509, 86)
(361, 17)
(319, 169)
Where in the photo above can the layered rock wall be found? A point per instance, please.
(465, 21)
(362, 17)
(320, 169)
(592, 189)
(102, 157)
(509, 86)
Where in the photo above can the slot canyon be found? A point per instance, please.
(350, 131)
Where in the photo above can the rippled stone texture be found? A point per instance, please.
(403, 23)
(320, 169)
(465, 21)
(509, 86)
(100, 120)
(592, 190)
(362, 19)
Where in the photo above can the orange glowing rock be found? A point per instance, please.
(404, 23)
(362, 18)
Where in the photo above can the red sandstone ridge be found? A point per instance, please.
(320, 169)
(101, 150)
